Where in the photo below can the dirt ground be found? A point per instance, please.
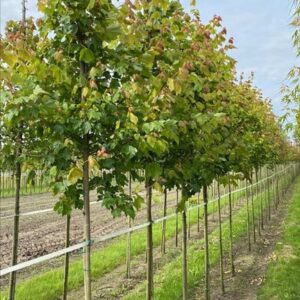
(250, 266)
(44, 233)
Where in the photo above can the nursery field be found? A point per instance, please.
(138, 162)
(109, 278)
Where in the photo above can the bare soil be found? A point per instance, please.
(44, 233)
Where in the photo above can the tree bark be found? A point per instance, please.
(230, 232)
(184, 250)
(248, 218)
(198, 213)
(12, 278)
(128, 256)
(66, 263)
(261, 203)
(252, 208)
(164, 224)
(149, 242)
(269, 197)
(87, 222)
(220, 240)
(176, 225)
(206, 246)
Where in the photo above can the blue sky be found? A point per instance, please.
(260, 29)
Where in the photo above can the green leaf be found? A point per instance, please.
(112, 31)
(30, 178)
(133, 118)
(53, 171)
(153, 171)
(180, 206)
(75, 174)
(130, 151)
(91, 4)
(171, 84)
(87, 56)
(39, 91)
(138, 201)
(9, 58)
(158, 187)
(85, 92)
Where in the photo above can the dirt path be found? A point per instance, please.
(250, 266)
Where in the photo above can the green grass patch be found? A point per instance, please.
(25, 191)
(49, 285)
(283, 274)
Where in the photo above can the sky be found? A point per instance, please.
(260, 29)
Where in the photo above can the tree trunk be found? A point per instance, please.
(0, 184)
(149, 242)
(213, 202)
(128, 256)
(176, 225)
(261, 202)
(66, 263)
(230, 232)
(206, 262)
(269, 197)
(184, 250)
(277, 192)
(257, 196)
(87, 222)
(252, 208)
(248, 217)
(189, 220)
(220, 240)
(164, 224)
(12, 278)
(198, 213)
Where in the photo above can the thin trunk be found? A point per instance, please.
(87, 222)
(189, 220)
(213, 202)
(66, 263)
(258, 195)
(230, 232)
(164, 224)
(198, 213)
(252, 208)
(268, 196)
(220, 240)
(128, 253)
(265, 202)
(277, 192)
(184, 250)
(206, 262)
(12, 278)
(149, 242)
(261, 201)
(248, 217)
(176, 225)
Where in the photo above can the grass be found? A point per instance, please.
(283, 274)
(25, 191)
(167, 281)
(49, 285)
